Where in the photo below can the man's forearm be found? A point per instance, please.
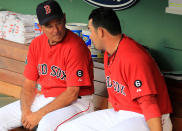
(155, 124)
(27, 97)
(63, 100)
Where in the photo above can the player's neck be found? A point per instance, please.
(113, 44)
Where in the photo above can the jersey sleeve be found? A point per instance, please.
(142, 78)
(79, 67)
(31, 71)
(149, 106)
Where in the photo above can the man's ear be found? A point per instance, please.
(100, 32)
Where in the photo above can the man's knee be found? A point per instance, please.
(3, 126)
(45, 125)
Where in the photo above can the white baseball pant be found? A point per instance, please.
(10, 115)
(110, 120)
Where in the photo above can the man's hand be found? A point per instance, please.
(155, 124)
(31, 119)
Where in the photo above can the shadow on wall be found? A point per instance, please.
(163, 63)
(159, 56)
(2, 9)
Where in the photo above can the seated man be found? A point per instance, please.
(60, 64)
(137, 90)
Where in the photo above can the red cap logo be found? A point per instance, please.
(47, 9)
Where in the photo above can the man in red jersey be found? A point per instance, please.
(137, 90)
(60, 64)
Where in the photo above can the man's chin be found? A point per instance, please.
(54, 42)
(98, 48)
(58, 40)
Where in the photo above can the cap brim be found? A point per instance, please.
(48, 19)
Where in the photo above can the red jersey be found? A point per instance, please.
(63, 65)
(132, 73)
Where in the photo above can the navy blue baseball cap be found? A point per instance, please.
(48, 10)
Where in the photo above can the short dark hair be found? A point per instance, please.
(106, 18)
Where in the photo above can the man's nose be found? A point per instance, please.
(55, 29)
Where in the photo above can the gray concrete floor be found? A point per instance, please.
(4, 100)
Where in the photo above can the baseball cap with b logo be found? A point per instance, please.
(47, 11)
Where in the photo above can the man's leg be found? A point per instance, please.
(55, 119)
(95, 121)
(107, 120)
(139, 124)
(10, 116)
(132, 124)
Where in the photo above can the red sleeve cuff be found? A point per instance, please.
(149, 106)
(30, 74)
